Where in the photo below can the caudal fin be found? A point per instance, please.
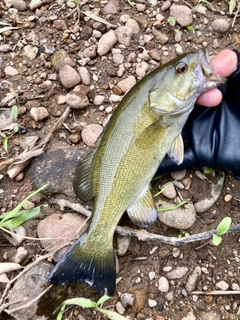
(79, 264)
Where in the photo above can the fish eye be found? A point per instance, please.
(182, 67)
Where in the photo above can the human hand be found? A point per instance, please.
(225, 63)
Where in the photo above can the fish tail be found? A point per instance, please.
(81, 264)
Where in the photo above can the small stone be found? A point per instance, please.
(141, 69)
(139, 300)
(98, 100)
(18, 234)
(84, 75)
(19, 4)
(118, 58)
(176, 252)
(166, 5)
(123, 243)
(28, 205)
(90, 52)
(61, 99)
(182, 14)
(168, 190)
(90, 134)
(77, 100)
(38, 114)
(106, 42)
(69, 77)
(5, 48)
(178, 49)
(220, 25)
(155, 54)
(169, 296)
(10, 71)
(127, 299)
(30, 52)
(20, 255)
(124, 35)
(228, 197)
(152, 303)
(74, 138)
(152, 275)
(34, 4)
(222, 285)
(60, 24)
(163, 285)
(140, 7)
(60, 58)
(208, 299)
(109, 8)
(133, 25)
(177, 273)
(126, 84)
(192, 279)
(160, 37)
(211, 315)
(201, 9)
(119, 307)
(190, 316)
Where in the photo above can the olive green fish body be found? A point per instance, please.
(116, 175)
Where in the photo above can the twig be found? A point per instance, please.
(235, 16)
(215, 292)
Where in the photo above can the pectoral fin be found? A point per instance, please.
(176, 153)
(82, 179)
(143, 212)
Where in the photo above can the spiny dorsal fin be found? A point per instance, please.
(82, 180)
(143, 212)
(176, 153)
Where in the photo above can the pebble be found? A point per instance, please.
(60, 58)
(211, 315)
(98, 100)
(193, 278)
(60, 24)
(140, 296)
(228, 197)
(30, 52)
(126, 84)
(59, 226)
(38, 114)
(90, 52)
(18, 234)
(19, 4)
(181, 218)
(127, 299)
(140, 7)
(177, 273)
(168, 190)
(118, 58)
(222, 285)
(109, 8)
(77, 100)
(20, 255)
(69, 77)
(115, 98)
(90, 134)
(133, 25)
(166, 5)
(220, 25)
(178, 175)
(74, 138)
(28, 205)
(160, 37)
(152, 303)
(106, 42)
(190, 316)
(201, 9)
(178, 49)
(84, 75)
(141, 69)
(28, 142)
(182, 14)
(124, 35)
(123, 243)
(34, 4)
(119, 307)
(216, 189)
(169, 296)
(163, 285)
(155, 54)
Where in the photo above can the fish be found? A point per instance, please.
(117, 174)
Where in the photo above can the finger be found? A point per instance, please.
(210, 98)
(225, 63)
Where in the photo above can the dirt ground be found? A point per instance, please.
(219, 263)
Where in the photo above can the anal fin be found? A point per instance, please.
(143, 212)
(176, 153)
(82, 179)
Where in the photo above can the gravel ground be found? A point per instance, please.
(66, 72)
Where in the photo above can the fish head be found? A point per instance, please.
(184, 79)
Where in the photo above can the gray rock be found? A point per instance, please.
(133, 25)
(57, 169)
(222, 285)
(152, 303)
(163, 285)
(60, 24)
(141, 69)
(211, 315)
(179, 175)
(106, 42)
(90, 134)
(30, 52)
(169, 296)
(215, 191)
(201, 9)
(84, 75)
(98, 100)
(168, 190)
(5, 48)
(38, 114)
(60, 58)
(140, 7)
(177, 273)
(192, 279)
(34, 4)
(62, 226)
(120, 308)
(220, 25)
(124, 35)
(118, 58)
(166, 5)
(160, 37)
(127, 299)
(19, 4)
(109, 8)
(122, 244)
(181, 218)
(69, 77)
(28, 287)
(182, 14)
(90, 52)
(77, 100)
(126, 84)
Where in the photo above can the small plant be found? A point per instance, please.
(207, 170)
(5, 138)
(16, 217)
(173, 23)
(88, 303)
(222, 228)
(238, 314)
(183, 234)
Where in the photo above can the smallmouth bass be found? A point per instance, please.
(145, 127)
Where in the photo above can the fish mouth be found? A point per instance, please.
(206, 72)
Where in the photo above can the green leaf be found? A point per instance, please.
(15, 129)
(103, 299)
(172, 21)
(23, 216)
(165, 188)
(8, 215)
(174, 207)
(14, 112)
(216, 240)
(223, 226)
(97, 18)
(232, 5)
(191, 28)
(81, 302)
(208, 3)
(183, 234)
(5, 144)
(131, 4)
(111, 314)
(207, 170)
(177, 31)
